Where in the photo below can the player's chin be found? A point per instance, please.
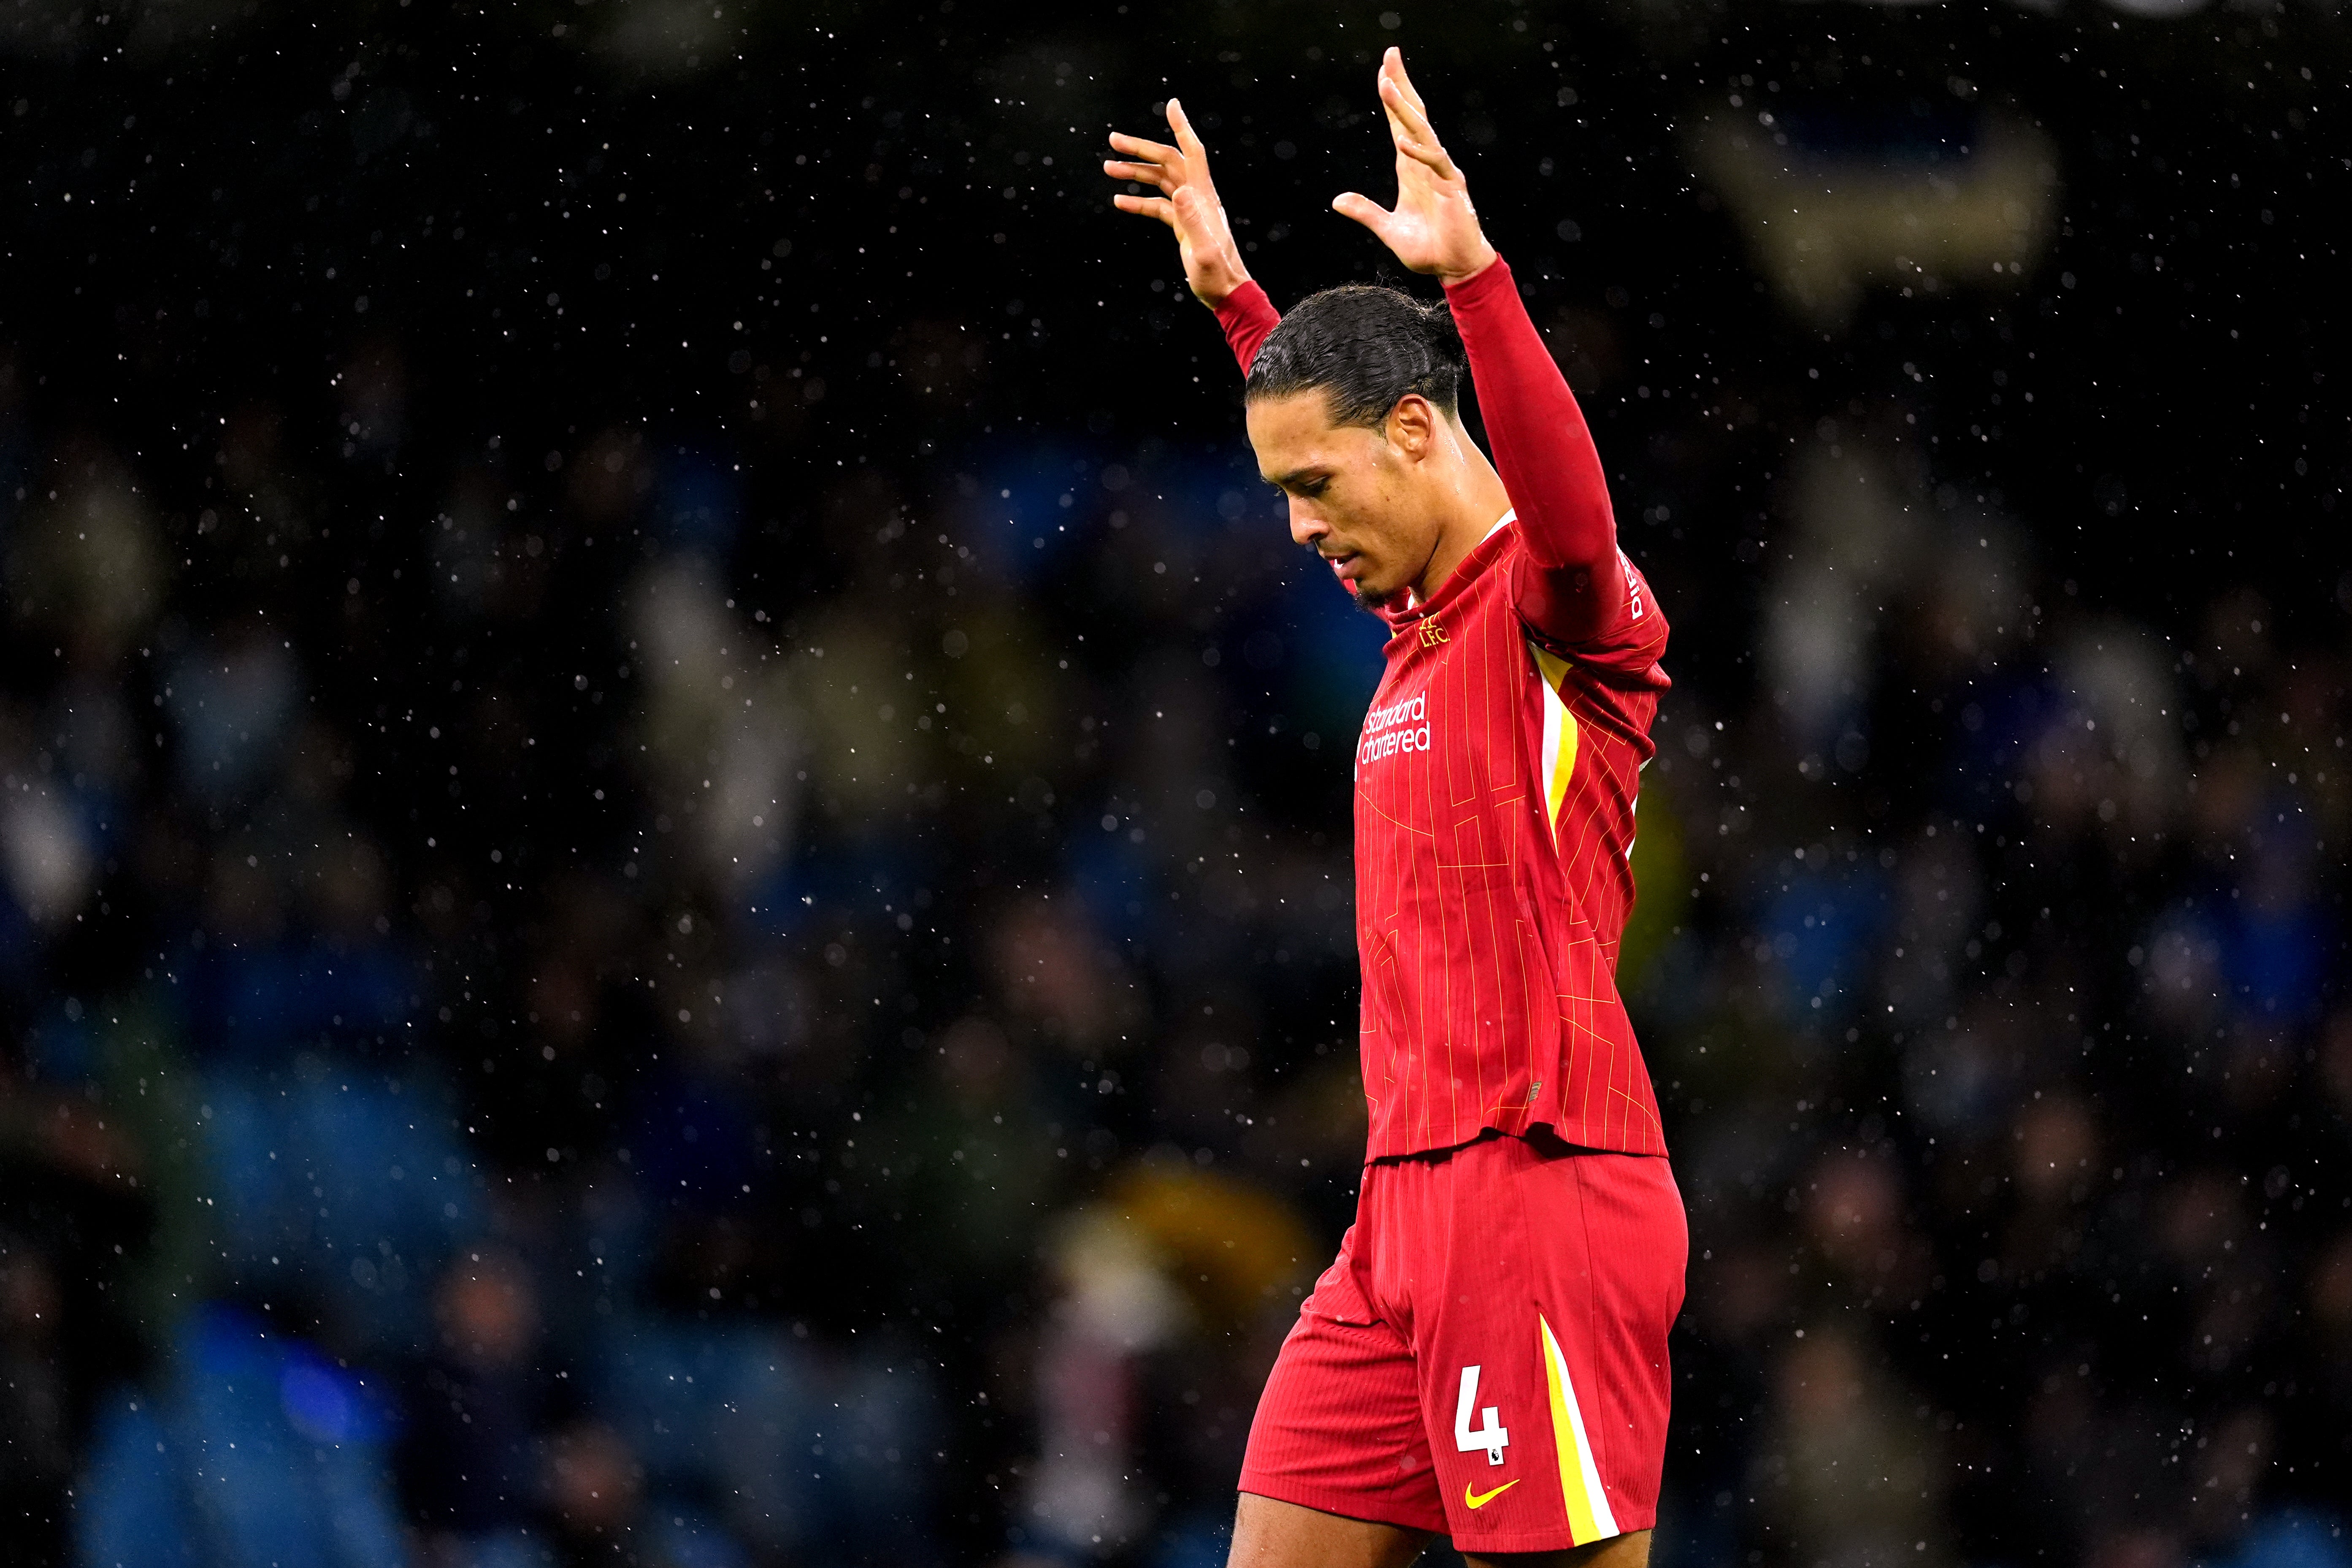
(1367, 596)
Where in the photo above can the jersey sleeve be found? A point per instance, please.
(1571, 585)
(1247, 316)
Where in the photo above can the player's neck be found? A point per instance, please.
(1467, 500)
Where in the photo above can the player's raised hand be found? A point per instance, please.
(1187, 203)
(1433, 227)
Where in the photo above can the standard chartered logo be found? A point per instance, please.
(1399, 727)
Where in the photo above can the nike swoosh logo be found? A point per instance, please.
(1480, 1500)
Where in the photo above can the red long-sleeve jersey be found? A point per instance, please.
(1496, 779)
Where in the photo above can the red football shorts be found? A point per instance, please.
(1486, 1358)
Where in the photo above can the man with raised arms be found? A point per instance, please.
(1486, 1357)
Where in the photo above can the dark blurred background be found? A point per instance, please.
(674, 864)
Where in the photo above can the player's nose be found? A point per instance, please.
(1306, 526)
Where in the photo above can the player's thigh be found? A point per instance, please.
(1269, 1533)
(1630, 1549)
(1339, 1431)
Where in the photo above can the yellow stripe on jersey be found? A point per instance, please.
(1588, 1516)
(1559, 737)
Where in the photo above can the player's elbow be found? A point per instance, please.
(1576, 575)
(1560, 601)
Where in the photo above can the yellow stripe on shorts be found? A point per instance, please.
(1588, 1519)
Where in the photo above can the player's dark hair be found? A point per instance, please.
(1366, 346)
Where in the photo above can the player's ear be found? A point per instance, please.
(1412, 425)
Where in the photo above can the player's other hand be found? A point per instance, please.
(1433, 227)
(1187, 203)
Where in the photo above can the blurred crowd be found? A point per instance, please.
(2010, 1055)
(718, 989)
(866, 1074)
(515, 1050)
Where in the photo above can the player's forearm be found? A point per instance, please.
(1545, 455)
(1247, 316)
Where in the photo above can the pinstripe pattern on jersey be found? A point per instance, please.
(1492, 881)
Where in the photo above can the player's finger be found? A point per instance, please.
(1141, 173)
(1399, 102)
(1365, 211)
(1413, 136)
(1405, 116)
(1428, 155)
(1186, 137)
(1148, 206)
(1401, 130)
(1393, 66)
(1421, 149)
(1407, 144)
(1140, 147)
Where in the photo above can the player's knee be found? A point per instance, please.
(1268, 1533)
(1630, 1549)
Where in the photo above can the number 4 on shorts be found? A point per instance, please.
(1491, 1436)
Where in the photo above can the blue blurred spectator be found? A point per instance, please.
(343, 1180)
(258, 1451)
